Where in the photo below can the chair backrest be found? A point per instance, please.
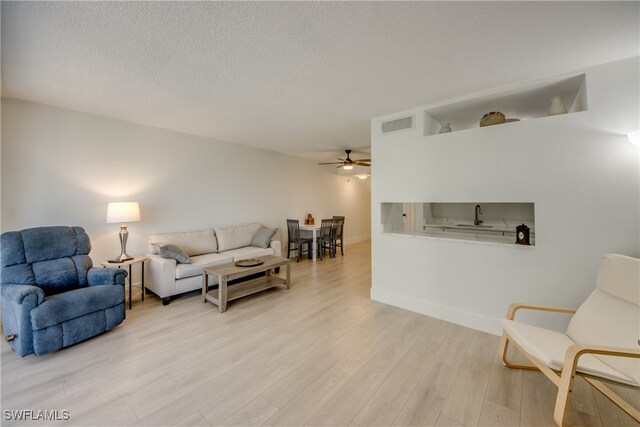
(53, 258)
(326, 228)
(338, 226)
(293, 228)
(610, 316)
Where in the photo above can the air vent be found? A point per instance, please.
(398, 124)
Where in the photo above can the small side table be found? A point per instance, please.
(135, 260)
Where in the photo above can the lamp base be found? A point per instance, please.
(124, 256)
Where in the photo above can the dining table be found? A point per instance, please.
(315, 230)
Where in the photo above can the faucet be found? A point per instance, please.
(477, 221)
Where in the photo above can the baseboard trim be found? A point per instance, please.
(460, 317)
(357, 239)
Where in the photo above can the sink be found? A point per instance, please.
(474, 226)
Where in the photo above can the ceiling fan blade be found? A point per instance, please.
(349, 162)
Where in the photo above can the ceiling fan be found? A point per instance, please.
(348, 163)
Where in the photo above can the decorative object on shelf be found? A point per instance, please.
(445, 128)
(492, 118)
(123, 212)
(522, 235)
(249, 262)
(557, 106)
(309, 220)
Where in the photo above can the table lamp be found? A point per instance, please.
(123, 212)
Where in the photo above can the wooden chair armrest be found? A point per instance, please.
(577, 350)
(569, 371)
(511, 313)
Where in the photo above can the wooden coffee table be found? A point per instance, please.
(231, 271)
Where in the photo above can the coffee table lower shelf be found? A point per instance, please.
(224, 293)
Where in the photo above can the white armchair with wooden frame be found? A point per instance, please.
(601, 343)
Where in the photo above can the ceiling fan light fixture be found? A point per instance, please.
(347, 167)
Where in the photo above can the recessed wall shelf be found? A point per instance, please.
(523, 103)
(488, 222)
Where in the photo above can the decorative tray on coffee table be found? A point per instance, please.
(249, 262)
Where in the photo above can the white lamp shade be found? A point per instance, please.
(123, 212)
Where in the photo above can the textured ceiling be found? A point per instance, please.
(304, 77)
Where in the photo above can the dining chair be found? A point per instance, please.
(325, 239)
(294, 238)
(338, 228)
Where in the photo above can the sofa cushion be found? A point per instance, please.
(199, 262)
(14, 256)
(263, 237)
(62, 307)
(248, 252)
(55, 275)
(235, 237)
(192, 242)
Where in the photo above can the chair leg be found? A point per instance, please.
(504, 348)
(563, 399)
(341, 247)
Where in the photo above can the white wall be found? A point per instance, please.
(580, 171)
(61, 167)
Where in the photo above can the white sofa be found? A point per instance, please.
(206, 248)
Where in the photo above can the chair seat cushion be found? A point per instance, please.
(198, 263)
(550, 348)
(248, 252)
(59, 308)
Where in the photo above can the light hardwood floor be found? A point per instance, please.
(321, 353)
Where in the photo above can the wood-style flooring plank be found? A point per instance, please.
(387, 402)
(501, 407)
(464, 402)
(194, 420)
(349, 400)
(253, 414)
(425, 403)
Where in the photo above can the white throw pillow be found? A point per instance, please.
(235, 237)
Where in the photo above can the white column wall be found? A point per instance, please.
(579, 169)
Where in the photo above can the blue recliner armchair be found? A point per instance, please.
(51, 296)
